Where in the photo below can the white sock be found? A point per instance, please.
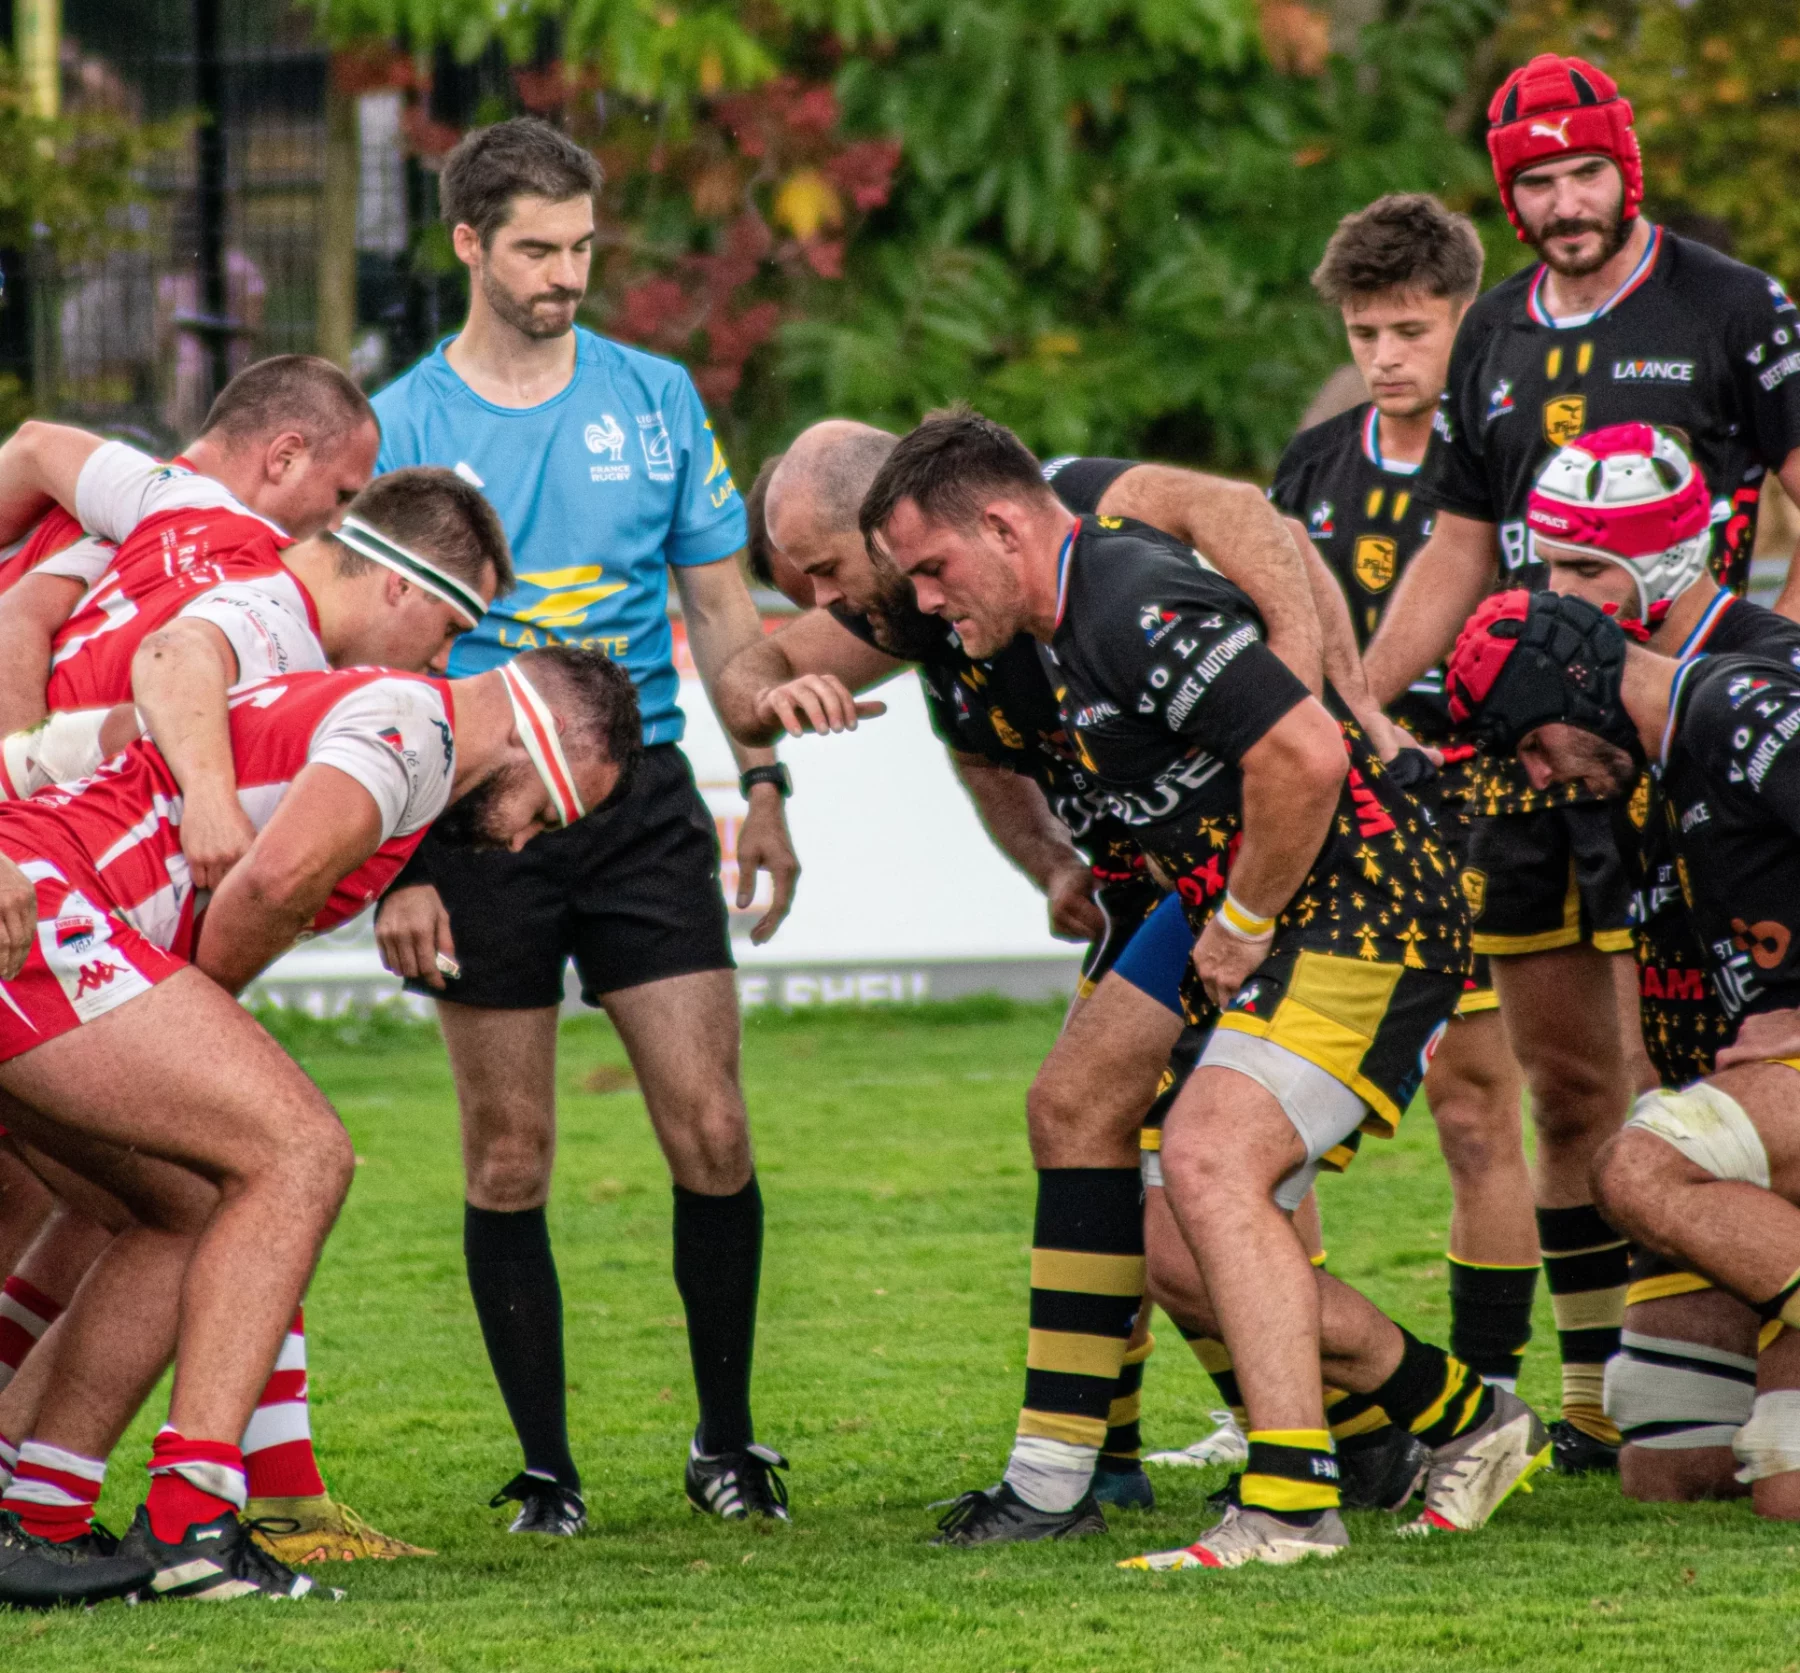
(1050, 1475)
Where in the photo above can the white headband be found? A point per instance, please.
(369, 542)
(537, 731)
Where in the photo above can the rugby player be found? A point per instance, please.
(1402, 273)
(414, 563)
(1622, 519)
(1706, 1175)
(1620, 321)
(605, 472)
(1336, 950)
(342, 772)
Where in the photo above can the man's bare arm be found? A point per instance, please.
(326, 826)
(31, 612)
(1233, 525)
(40, 463)
(814, 663)
(1022, 826)
(180, 678)
(1789, 601)
(1440, 589)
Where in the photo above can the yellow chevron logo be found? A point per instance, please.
(568, 594)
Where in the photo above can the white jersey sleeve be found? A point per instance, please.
(266, 623)
(393, 737)
(84, 560)
(120, 486)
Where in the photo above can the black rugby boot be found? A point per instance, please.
(214, 1562)
(998, 1516)
(736, 1485)
(1122, 1483)
(545, 1506)
(1575, 1452)
(40, 1573)
(1381, 1470)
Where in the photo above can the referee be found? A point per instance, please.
(602, 465)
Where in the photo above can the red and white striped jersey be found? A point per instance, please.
(57, 545)
(179, 534)
(392, 733)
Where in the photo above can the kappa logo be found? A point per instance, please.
(1558, 131)
(90, 978)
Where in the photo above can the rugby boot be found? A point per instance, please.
(1381, 1470)
(1576, 1452)
(1225, 1445)
(324, 1532)
(1246, 1535)
(545, 1506)
(998, 1516)
(736, 1485)
(1121, 1482)
(40, 1573)
(213, 1562)
(1473, 1475)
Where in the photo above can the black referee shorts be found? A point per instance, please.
(630, 893)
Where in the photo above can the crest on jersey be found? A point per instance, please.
(1474, 888)
(1156, 622)
(1639, 807)
(1004, 730)
(74, 930)
(390, 735)
(608, 437)
(1565, 417)
(1319, 525)
(1375, 562)
(1500, 399)
(659, 451)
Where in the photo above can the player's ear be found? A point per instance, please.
(466, 241)
(284, 455)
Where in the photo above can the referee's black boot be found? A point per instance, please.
(545, 1506)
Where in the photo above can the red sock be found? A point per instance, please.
(53, 1493)
(25, 1314)
(192, 1481)
(278, 1449)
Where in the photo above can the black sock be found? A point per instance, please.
(718, 1264)
(1490, 1316)
(1433, 1393)
(512, 1277)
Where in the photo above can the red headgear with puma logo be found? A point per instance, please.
(1561, 107)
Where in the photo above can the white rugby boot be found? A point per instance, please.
(1473, 1475)
(1251, 1536)
(1225, 1445)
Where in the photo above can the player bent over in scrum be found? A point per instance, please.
(1337, 947)
(344, 772)
(1706, 1176)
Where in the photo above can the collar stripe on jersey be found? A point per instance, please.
(1372, 449)
(369, 542)
(1062, 571)
(1695, 642)
(1676, 691)
(537, 732)
(1534, 305)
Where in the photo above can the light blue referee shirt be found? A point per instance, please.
(600, 489)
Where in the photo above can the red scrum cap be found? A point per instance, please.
(1559, 107)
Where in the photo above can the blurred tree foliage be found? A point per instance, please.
(1093, 218)
(1715, 85)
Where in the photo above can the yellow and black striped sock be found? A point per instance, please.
(1433, 1393)
(1291, 1473)
(1215, 1361)
(1352, 1416)
(1490, 1317)
(1782, 1308)
(1087, 1283)
(1587, 1266)
(1124, 1443)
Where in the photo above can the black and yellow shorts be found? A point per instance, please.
(1127, 901)
(1174, 1077)
(1549, 879)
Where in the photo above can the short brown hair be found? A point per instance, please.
(438, 515)
(952, 466)
(523, 157)
(596, 697)
(756, 513)
(1406, 241)
(304, 393)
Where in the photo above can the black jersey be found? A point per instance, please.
(1164, 683)
(1692, 339)
(1683, 1021)
(1368, 523)
(1730, 799)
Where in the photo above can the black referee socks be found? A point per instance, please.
(718, 1267)
(512, 1277)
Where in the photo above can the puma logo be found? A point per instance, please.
(1558, 131)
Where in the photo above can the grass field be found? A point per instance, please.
(889, 1367)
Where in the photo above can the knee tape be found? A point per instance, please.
(1769, 1444)
(1673, 1395)
(1707, 1126)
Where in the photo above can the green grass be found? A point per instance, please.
(889, 1366)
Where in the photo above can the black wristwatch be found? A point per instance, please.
(777, 775)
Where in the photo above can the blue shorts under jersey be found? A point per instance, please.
(1156, 959)
(601, 489)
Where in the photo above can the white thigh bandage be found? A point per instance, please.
(1323, 1110)
(1769, 1444)
(1672, 1395)
(1150, 1168)
(1707, 1126)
